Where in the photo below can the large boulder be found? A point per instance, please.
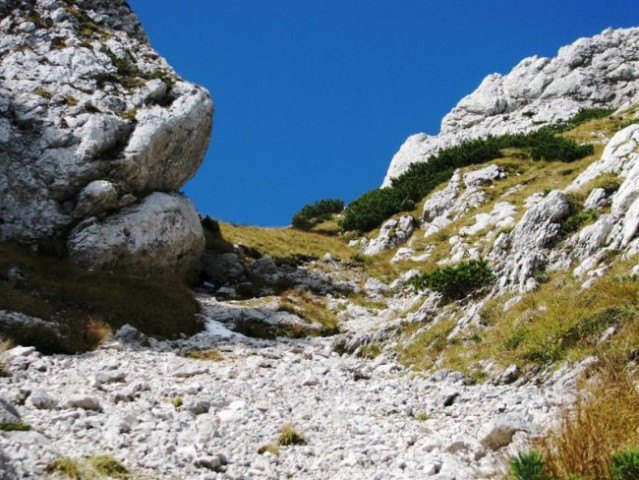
(92, 122)
(598, 71)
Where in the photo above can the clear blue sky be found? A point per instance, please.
(313, 97)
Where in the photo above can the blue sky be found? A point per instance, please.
(313, 97)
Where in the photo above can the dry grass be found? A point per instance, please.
(422, 345)
(286, 243)
(310, 308)
(604, 421)
(210, 355)
(95, 467)
(290, 436)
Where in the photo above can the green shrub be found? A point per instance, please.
(574, 222)
(527, 466)
(456, 282)
(314, 213)
(371, 209)
(582, 116)
(625, 465)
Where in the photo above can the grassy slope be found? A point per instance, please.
(86, 305)
(555, 323)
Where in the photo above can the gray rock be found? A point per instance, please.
(499, 432)
(83, 402)
(78, 106)
(41, 400)
(392, 233)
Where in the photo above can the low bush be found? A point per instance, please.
(582, 116)
(456, 282)
(371, 209)
(314, 213)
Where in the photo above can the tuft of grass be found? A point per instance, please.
(372, 350)
(289, 436)
(210, 355)
(65, 467)
(14, 427)
(422, 346)
(422, 416)
(270, 448)
(70, 100)
(46, 94)
(603, 422)
(177, 402)
(625, 465)
(527, 466)
(108, 466)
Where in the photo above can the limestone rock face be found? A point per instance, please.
(92, 122)
(597, 71)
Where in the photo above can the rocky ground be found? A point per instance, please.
(166, 415)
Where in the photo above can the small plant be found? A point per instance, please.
(65, 467)
(177, 402)
(290, 436)
(14, 427)
(43, 93)
(527, 466)
(625, 465)
(70, 100)
(108, 466)
(211, 355)
(574, 222)
(456, 282)
(130, 114)
(270, 448)
(361, 259)
(422, 416)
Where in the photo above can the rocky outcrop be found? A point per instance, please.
(598, 71)
(97, 133)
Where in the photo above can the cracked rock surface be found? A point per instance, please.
(94, 127)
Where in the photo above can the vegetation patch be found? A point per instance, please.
(310, 308)
(598, 435)
(270, 448)
(14, 427)
(456, 282)
(289, 436)
(558, 322)
(65, 467)
(79, 309)
(371, 209)
(312, 214)
(210, 355)
(108, 466)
